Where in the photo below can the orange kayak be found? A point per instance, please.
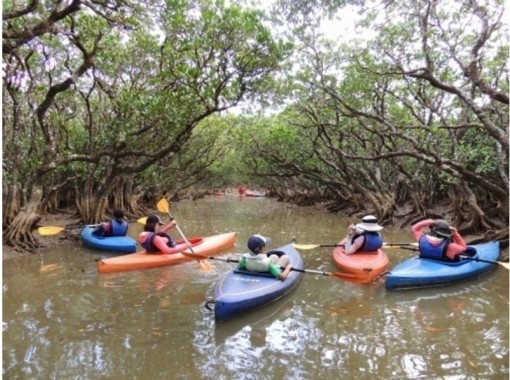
(368, 265)
(209, 246)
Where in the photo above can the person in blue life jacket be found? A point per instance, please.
(364, 236)
(155, 237)
(258, 261)
(442, 242)
(117, 226)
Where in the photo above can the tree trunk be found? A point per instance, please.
(18, 234)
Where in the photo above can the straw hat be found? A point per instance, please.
(369, 223)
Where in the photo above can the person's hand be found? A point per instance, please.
(173, 223)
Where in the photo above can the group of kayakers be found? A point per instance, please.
(442, 242)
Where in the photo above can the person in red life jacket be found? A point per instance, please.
(241, 190)
(259, 261)
(443, 242)
(364, 236)
(155, 238)
(117, 226)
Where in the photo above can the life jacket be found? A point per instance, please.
(435, 252)
(149, 246)
(257, 263)
(373, 241)
(118, 228)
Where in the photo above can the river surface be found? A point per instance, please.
(63, 320)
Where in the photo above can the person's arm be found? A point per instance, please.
(101, 230)
(417, 228)
(355, 246)
(160, 243)
(457, 245)
(168, 227)
(283, 276)
(351, 231)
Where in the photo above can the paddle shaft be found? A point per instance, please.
(182, 234)
(334, 274)
(229, 260)
(53, 230)
(484, 261)
(385, 245)
(163, 205)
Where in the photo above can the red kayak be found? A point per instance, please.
(207, 246)
(368, 265)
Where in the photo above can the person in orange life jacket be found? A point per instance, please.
(364, 236)
(155, 238)
(258, 261)
(117, 226)
(442, 243)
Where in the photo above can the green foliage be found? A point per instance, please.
(153, 105)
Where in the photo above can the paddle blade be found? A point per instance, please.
(305, 246)
(163, 206)
(142, 220)
(504, 265)
(50, 230)
(206, 266)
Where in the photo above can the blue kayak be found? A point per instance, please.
(239, 291)
(123, 244)
(418, 272)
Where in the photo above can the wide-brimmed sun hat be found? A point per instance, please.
(369, 223)
(442, 228)
(257, 242)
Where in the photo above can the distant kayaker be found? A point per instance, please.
(155, 238)
(443, 242)
(117, 226)
(364, 236)
(258, 261)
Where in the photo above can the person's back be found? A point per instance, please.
(364, 236)
(442, 243)
(117, 226)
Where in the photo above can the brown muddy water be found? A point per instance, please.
(63, 320)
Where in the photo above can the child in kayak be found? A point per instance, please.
(258, 261)
(117, 226)
(443, 242)
(364, 236)
(155, 238)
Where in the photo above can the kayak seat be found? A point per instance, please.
(470, 251)
(275, 252)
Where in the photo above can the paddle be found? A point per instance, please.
(349, 276)
(164, 207)
(399, 245)
(53, 230)
(502, 263)
(313, 246)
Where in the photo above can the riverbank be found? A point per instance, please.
(62, 218)
(68, 217)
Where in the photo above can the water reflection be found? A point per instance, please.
(62, 320)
